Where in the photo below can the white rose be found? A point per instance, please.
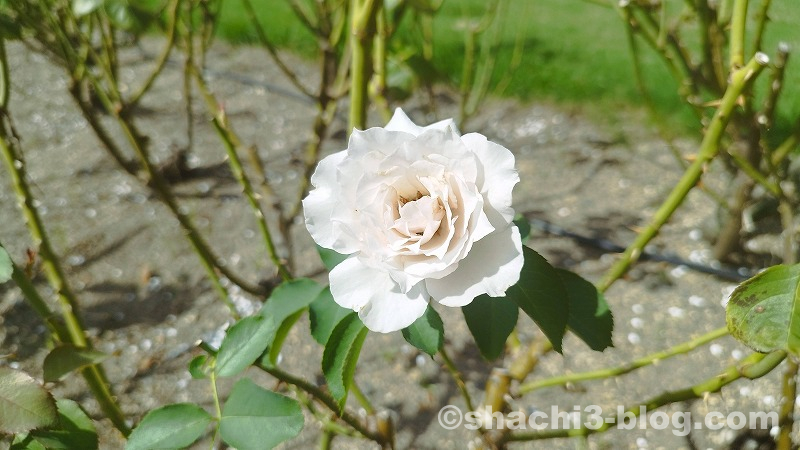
(423, 213)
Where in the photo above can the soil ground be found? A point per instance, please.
(145, 299)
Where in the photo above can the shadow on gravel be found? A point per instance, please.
(125, 304)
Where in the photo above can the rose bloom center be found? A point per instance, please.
(416, 221)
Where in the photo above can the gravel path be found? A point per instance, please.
(146, 301)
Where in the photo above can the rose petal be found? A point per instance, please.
(401, 122)
(499, 174)
(377, 298)
(492, 266)
(323, 203)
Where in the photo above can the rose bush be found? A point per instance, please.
(423, 213)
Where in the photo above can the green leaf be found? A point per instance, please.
(255, 418)
(66, 358)
(524, 226)
(764, 311)
(329, 257)
(243, 344)
(589, 316)
(325, 314)
(172, 426)
(6, 267)
(24, 441)
(198, 367)
(24, 404)
(427, 332)
(543, 297)
(285, 306)
(84, 7)
(491, 320)
(341, 355)
(75, 430)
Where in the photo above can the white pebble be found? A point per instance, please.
(744, 391)
(769, 400)
(674, 311)
(738, 355)
(641, 442)
(634, 338)
(679, 271)
(695, 234)
(563, 212)
(638, 323)
(696, 300)
(637, 308)
(715, 349)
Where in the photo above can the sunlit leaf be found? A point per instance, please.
(427, 332)
(24, 441)
(75, 429)
(543, 297)
(341, 355)
(491, 320)
(66, 358)
(325, 314)
(243, 344)
(172, 426)
(764, 311)
(285, 306)
(255, 418)
(589, 316)
(24, 404)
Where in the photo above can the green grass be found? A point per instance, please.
(576, 52)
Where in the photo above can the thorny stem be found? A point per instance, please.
(159, 184)
(462, 387)
(266, 43)
(738, 21)
(314, 391)
(156, 180)
(363, 29)
(172, 17)
(236, 165)
(761, 23)
(68, 303)
(786, 417)
(324, 398)
(709, 148)
(754, 366)
(231, 143)
(788, 397)
(648, 360)
(215, 396)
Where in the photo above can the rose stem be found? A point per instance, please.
(650, 359)
(754, 366)
(74, 333)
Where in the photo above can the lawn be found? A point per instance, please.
(575, 51)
